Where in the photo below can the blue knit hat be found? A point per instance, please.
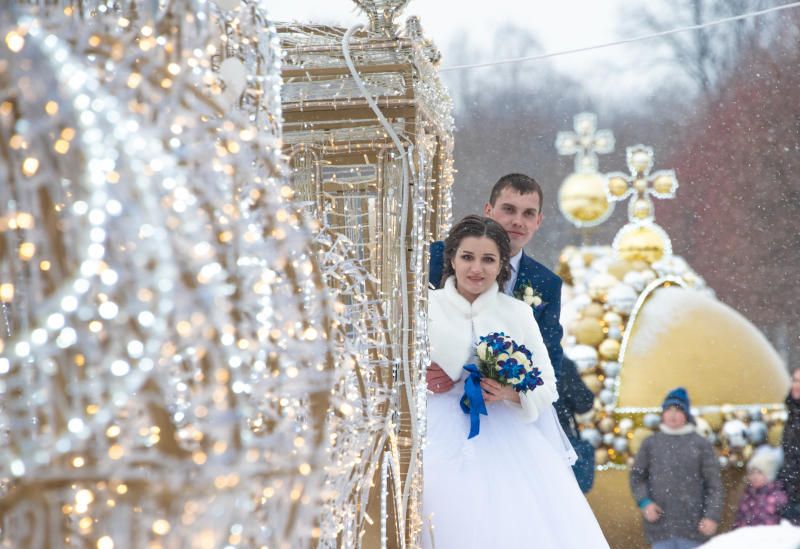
(680, 399)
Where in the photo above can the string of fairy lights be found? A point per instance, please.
(183, 346)
(168, 324)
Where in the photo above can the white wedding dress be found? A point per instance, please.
(511, 486)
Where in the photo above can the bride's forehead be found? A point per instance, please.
(478, 245)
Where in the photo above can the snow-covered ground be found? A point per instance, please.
(784, 536)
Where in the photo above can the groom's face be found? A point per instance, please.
(519, 214)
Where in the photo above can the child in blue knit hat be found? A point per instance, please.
(675, 480)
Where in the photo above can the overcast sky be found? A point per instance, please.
(561, 25)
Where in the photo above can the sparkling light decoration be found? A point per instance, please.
(642, 238)
(582, 196)
(382, 14)
(166, 361)
(368, 130)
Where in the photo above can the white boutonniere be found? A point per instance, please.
(528, 294)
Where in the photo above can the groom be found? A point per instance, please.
(516, 204)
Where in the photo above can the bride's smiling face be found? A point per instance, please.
(476, 264)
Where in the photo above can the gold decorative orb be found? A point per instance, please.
(582, 199)
(609, 349)
(642, 209)
(640, 184)
(664, 184)
(775, 434)
(601, 456)
(612, 318)
(606, 425)
(617, 186)
(741, 415)
(641, 242)
(639, 436)
(588, 331)
(640, 161)
(600, 285)
(714, 419)
(592, 382)
(619, 268)
(593, 310)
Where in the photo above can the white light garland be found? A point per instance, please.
(215, 314)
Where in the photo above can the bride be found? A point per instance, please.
(511, 486)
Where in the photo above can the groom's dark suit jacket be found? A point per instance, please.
(544, 281)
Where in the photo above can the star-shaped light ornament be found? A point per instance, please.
(642, 238)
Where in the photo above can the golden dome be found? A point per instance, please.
(646, 241)
(682, 337)
(582, 199)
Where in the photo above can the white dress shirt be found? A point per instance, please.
(514, 262)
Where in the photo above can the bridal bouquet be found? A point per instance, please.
(502, 359)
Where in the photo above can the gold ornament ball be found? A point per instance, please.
(612, 319)
(775, 434)
(620, 268)
(640, 185)
(582, 198)
(609, 349)
(601, 456)
(617, 186)
(640, 161)
(586, 417)
(714, 419)
(588, 331)
(642, 209)
(593, 310)
(606, 425)
(641, 242)
(741, 415)
(592, 382)
(639, 436)
(600, 285)
(664, 184)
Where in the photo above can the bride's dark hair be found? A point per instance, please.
(477, 226)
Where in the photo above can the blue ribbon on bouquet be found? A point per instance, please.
(472, 400)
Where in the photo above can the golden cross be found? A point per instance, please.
(641, 183)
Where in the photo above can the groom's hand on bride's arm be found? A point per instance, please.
(438, 381)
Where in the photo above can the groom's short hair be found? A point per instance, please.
(521, 183)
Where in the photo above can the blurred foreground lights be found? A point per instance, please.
(76, 425)
(30, 166)
(105, 543)
(120, 368)
(7, 292)
(83, 498)
(161, 527)
(27, 250)
(15, 41)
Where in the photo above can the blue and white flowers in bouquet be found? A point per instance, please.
(504, 360)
